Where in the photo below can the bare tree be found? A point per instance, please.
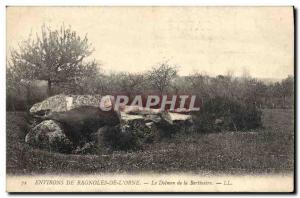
(200, 84)
(284, 90)
(161, 76)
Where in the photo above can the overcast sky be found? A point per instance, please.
(204, 39)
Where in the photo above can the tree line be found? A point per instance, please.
(56, 61)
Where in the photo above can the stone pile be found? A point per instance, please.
(71, 123)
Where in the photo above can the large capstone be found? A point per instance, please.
(49, 135)
(63, 103)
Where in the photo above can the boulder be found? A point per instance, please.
(49, 135)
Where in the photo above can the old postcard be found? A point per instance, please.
(150, 99)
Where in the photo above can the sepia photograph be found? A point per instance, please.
(150, 99)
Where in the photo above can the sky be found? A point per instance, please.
(211, 40)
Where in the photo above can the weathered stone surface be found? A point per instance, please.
(140, 110)
(154, 115)
(63, 103)
(131, 115)
(155, 118)
(49, 135)
(125, 117)
(179, 117)
(148, 125)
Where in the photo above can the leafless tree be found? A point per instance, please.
(161, 76)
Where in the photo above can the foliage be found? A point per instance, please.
(224, 114)
(55, 56)
(117, 140)
(131, 137)
(57, 60)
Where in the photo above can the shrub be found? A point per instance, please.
(116, 139)
(223, 114)
(130, 137)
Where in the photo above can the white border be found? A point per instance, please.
(4, 3)
(152, 2)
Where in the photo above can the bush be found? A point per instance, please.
(130, 137)
(223, 114)
(117, 140)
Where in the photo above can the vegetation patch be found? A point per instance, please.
(219, 114)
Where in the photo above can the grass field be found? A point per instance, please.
(267, 150)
